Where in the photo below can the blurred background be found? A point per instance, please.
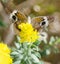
(31, 8)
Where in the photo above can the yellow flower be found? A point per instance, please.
(5, 54)
(27, 33)
(4, 48)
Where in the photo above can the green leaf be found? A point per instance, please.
(17, 62)
(48, 52)
(14, 53)
(29, 61)
(18, 38)
(52, 40)
(37, 42)
(57, 41)
(35, 59)
(37, 54)
(1, 23)
(17, 45)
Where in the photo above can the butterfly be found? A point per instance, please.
(40, 22)
(17, 18)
